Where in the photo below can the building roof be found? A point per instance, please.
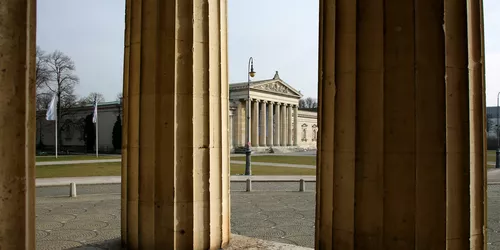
(275, 84)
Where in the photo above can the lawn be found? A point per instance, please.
(79, 170)
(301, 160)
(76, 158)
(114, 169)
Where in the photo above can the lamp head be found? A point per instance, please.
(252, 72)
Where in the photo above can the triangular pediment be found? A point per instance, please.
(277, 86)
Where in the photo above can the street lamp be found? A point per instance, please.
(497, 162)
(248, 151)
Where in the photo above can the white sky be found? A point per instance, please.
(281, 35)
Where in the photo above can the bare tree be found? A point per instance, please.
(41, 70)
(61, 82)
(91, 98)
(119, 96)
(308, 103)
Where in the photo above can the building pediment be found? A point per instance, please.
(276, 86)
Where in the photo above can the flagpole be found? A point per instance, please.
(96, 131)
(56, 134)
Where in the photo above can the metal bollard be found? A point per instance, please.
(72, 189)
(302, 186)
(249, 185)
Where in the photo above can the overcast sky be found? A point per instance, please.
(281, 35)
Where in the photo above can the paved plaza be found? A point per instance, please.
(273, 212)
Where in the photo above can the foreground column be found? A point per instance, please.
(262, 124)
(270, 123)
(401, 154)
(17, 124)
(175, 166)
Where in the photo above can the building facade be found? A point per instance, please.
(276, 122)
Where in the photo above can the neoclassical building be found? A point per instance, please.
(275, 119)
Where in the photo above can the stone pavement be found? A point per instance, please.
(93, 221)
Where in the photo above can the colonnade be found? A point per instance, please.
(271, 123)
(401, 151)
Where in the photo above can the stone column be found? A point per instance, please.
(295, 125)
(277, 124)
(289, 125)
(283, 120)
(241, 118)
(17, 124)
(230, 124)
(262, 124)
(175, 163)
(255, 123)
(270, 123)
(401, 154)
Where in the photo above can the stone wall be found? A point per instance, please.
(308, 129)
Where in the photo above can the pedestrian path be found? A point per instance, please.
(276, 164)
(40, 182)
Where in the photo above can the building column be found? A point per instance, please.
(230, 124)
(240, 124)
(401, 161)
(277, 124)
(283, 120)
(255, 123)
(17, 124)
(295, 125)
(289, 125)
(262, 124)
(270, 123)
(175, 164)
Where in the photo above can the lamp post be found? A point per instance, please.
(248, 151)
(497, 162)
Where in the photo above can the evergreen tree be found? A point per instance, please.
(117, 133)
(89, 133)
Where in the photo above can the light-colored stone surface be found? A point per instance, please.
(275, 214)
(239, 242)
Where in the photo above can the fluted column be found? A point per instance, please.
(283, 120)
(401, 151)
(255, 123)
(262, 124)
(295, 125)
(277, 124)
(17, 124)
(175, 163)
(230, 124)
(270, 123)
(289, 125)
(241, 119)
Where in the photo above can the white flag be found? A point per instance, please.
(94, 119)
(52, 109)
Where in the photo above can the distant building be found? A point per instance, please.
(276, 121)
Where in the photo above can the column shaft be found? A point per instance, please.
(289, 125)
(262, 124)
(295, 125)
(240, 121)
(176, 161)
(401, 149)
(277, 124)
(270, 124)
(17, 124)
(255, 123)
(283, 120)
